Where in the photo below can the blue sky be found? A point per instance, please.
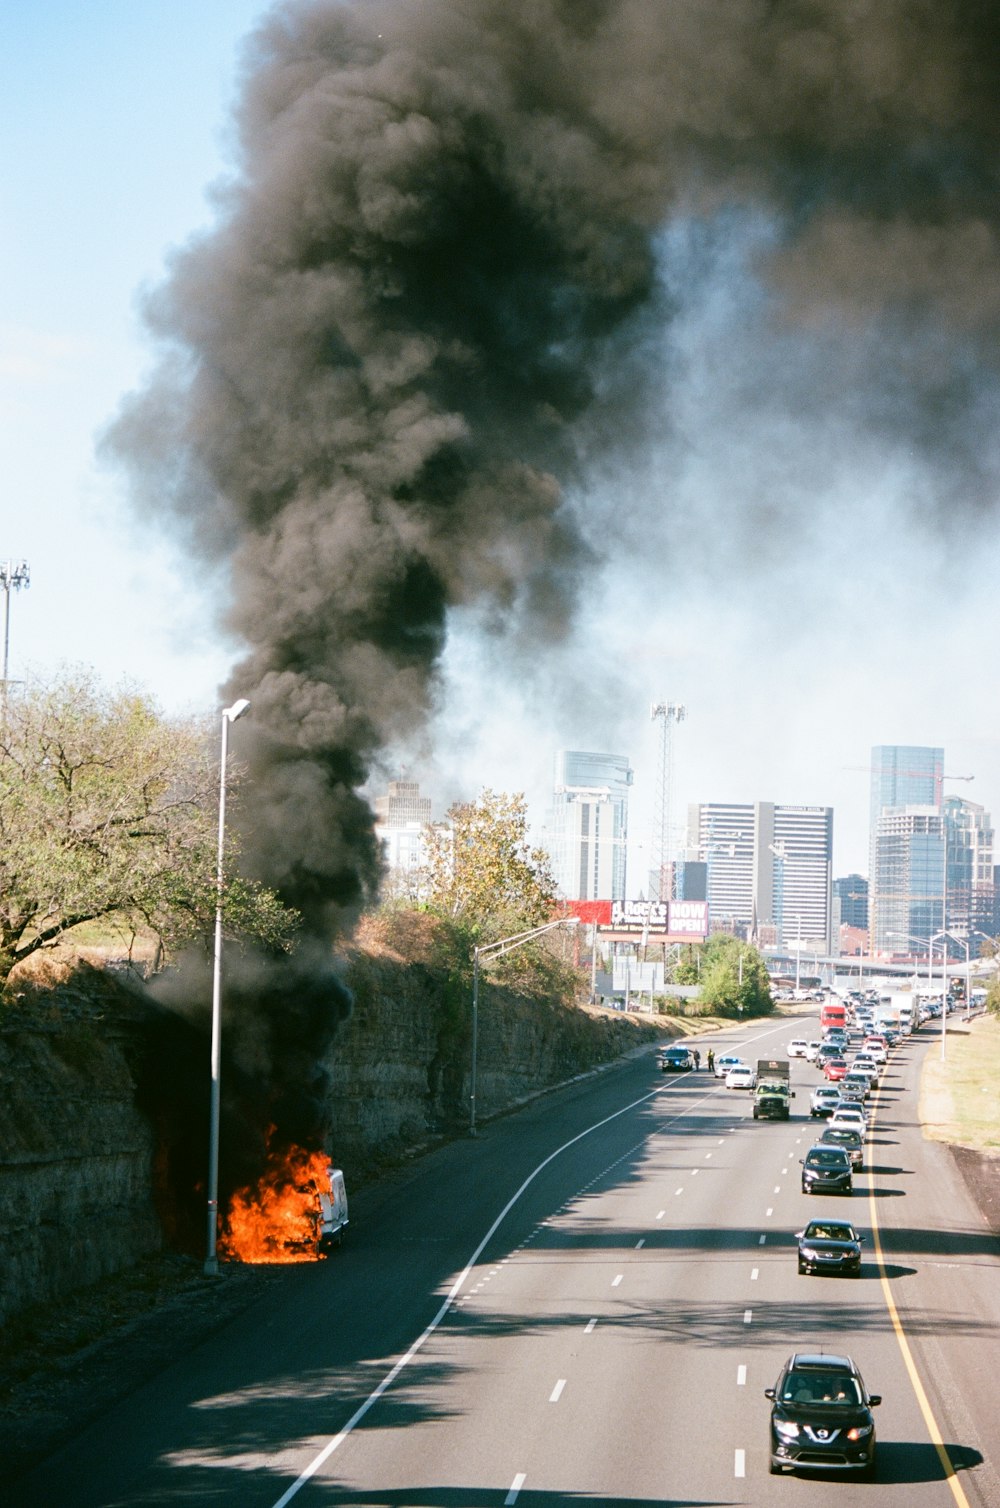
(114, 119)
(850, 624)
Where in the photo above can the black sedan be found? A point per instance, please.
(827, 1170)
(821, 1416)
(830, 1246)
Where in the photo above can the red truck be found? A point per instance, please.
(832, 1013)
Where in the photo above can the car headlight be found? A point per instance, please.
(808, 1254)
(786, 1428)
(859, 1432)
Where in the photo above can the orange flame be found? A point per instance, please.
(278, 1219)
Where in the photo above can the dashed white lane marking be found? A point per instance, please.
(784, 1172)
(762, 1240)
(515, 1488)
(777, 1188)
(707, 1156)
(617, 1280)
(678, 1191)
(753, 1274)
(556, 1393)
(661, 1214)
(747, 1316)
(693, 1172)
(589, 1326)
(640, 1243)
(741, 1377)
(740, 1464)
(769, 1211)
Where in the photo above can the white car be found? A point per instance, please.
(850, 1115)
(725, 1062)
(741, 1077)
(812, 1048)
(798, 1047)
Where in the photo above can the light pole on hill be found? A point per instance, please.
(229, 715)
(495, 950)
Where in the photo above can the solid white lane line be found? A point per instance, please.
(515, 1488)
(740, 1464)
(556, 1393)
(617, 1280)
(589, 1326)
(741, 1377)
(747, 1316)
(640, 1243)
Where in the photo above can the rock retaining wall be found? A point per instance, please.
(81, 1153)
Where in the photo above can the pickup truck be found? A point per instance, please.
(772, 1095)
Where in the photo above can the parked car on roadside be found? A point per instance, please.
(725, 1062)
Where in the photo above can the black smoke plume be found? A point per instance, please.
(422, 316)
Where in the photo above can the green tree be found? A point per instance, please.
(109, 810)
(482, 871)
(732, 974)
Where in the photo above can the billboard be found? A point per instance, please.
(654, 921)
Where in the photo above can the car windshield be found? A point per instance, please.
(840, 1133)
(829, 1230)
(835, 1158)
(820, 1387)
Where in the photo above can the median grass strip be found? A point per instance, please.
(959, 1102)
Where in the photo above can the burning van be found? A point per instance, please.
(296, 1212)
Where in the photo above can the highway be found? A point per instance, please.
(583, 1306)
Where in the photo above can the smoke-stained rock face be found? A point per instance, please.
(422, 312)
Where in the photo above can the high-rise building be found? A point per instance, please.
(905, 775)
(907, 878)
(850, 897)
(587, 826)
(971, 894)
(931, 856)
(768, 867)
(402, 816)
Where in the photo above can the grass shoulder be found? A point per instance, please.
(959, 1103)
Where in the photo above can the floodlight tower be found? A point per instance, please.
(666, 714)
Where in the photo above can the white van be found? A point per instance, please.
(333, 1219)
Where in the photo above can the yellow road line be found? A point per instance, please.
(932, 1427)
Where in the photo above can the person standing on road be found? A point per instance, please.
(697, 1058)
(711, 1060)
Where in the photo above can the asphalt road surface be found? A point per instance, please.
(584, 1306)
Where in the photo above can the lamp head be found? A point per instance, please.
(236, 710)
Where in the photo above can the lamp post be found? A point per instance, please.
(944, 986)
(229, 715)
(495, 950)
(911, 937)
(13, 573)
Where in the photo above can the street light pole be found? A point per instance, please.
(944, 986)
(229, 715)
(494, 950)
(12, 574)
